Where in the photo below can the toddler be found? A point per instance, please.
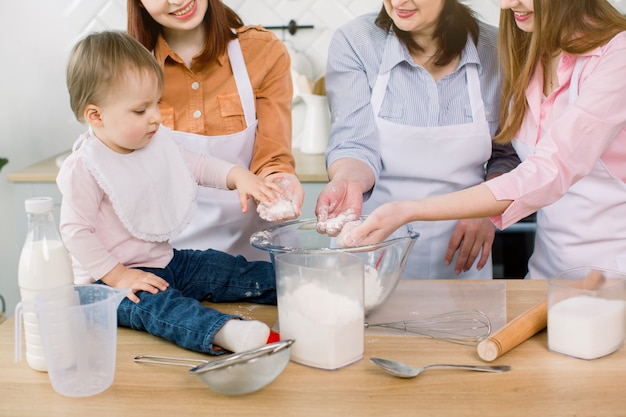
(128, 188)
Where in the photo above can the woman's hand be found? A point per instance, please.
(379, 225)
(340, 202)
(135, 279)
(291, 186)
(470, 237)
(290, 199)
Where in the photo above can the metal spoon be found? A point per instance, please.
(402, 370)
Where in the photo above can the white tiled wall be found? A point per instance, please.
(327, 15)
(324, 15)
(35, 119)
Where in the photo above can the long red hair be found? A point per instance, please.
(218, 21)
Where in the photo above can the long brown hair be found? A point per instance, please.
(456, 21)
(574, 27)
(218, 21)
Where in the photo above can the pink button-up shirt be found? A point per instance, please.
(569, 138)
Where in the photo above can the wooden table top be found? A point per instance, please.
(540, 383)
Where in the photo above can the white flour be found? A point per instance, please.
(278, 210)
(586, 327)
(373, 288)
(281, 209)
(328, 327)
(333, 226)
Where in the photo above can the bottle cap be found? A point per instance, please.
(39, 204)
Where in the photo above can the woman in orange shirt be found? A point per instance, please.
(228, 93)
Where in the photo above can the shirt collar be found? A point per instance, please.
(162, 52)
(470, 54)
(396, 52)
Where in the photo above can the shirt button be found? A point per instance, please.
(197, 114)
(195, 85)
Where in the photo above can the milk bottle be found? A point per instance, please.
(44, 264)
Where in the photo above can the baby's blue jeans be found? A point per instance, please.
(177, 313)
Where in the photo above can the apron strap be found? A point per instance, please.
(473, 90)
(378, 92)
(244, 87)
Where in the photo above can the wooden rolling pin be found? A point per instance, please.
(527, 324)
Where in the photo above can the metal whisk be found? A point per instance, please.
(465, 327)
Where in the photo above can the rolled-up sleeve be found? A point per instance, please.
(351, 72)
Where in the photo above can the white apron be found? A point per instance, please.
(425, 161)
(218, 222)
(585, 227)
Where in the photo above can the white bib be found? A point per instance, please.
(152, 189)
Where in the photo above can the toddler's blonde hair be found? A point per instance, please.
(99, 62)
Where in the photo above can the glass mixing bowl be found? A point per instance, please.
(384, 261)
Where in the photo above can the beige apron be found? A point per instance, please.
(424, 161)
(218, 222)
(585, 227)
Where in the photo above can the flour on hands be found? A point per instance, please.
(281, 209)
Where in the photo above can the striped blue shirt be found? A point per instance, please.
(360, 50)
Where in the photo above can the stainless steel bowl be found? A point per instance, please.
(237, 373)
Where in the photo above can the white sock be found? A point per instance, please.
(241, 335)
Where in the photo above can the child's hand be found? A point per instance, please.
(250, 185)
(135, 279)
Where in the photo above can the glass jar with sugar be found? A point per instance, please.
(586, 321)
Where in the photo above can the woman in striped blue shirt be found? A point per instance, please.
(414, 97)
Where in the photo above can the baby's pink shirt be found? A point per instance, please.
(95, 235)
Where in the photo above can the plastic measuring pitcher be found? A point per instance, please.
(78, 328)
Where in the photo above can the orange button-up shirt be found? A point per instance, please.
(203, 99)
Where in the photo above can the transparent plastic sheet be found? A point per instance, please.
(414, 299)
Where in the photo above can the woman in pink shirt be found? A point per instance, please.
(564, 80)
